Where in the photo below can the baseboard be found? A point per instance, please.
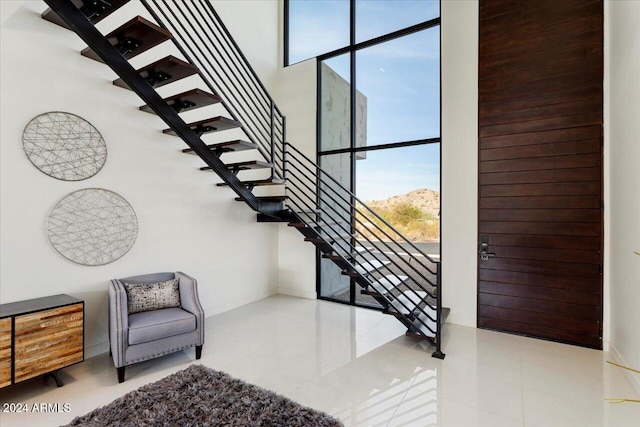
(634, 379)
(94, 350)
(297, 293)
(460, 320)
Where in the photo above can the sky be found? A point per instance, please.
(399, 78)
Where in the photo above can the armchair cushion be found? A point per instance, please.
(157, 324)
(152, 296)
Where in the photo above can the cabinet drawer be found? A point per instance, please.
(5, 352)
(48, 340)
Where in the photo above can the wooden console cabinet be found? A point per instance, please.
(40, 336)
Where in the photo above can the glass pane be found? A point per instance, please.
(379, 17)
(333, 283)
(334, 221)
(402, 185)
(400, 84)
(365, 300)
(335, 88)
(335, 201)
(317, 27)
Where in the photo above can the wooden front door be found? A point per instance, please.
(540, 169)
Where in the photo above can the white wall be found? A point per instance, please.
(460, 159)
(296, 96)
(622, 132)
(185, 222)
(254, 26)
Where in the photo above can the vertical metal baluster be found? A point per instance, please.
(272, 137)
(438, 353)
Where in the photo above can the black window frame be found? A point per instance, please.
(352, 50)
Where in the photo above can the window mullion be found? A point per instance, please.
(353, 130)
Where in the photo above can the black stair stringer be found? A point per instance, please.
(77, 21)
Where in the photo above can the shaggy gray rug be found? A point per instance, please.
(199, 396)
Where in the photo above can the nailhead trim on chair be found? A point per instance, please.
(158, 354)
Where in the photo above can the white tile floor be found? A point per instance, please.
(357, 365)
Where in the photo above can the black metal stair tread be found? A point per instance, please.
(297, 224)
(406, 302)
(371, 293)
(319, 225)
(312, 214)
(370, 266)
(280, 198)
(388, 283)
(51, 16)
(257, 182)
(335, 256)
(175, 68)
(329, 238)
(331, 226)
(261, 217)
(227, 146)
(311, 224)
(444, 314)
(251, 164)
(365, 268)
(197, 97)
(420, 330)
(147, 33)
(213, 124)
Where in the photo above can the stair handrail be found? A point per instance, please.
(410, 318)
(411, 309)
(274, 149)
(244, 94)
(343, 188)
(348, 247)
(351, 261)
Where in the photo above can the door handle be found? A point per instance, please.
(484, 251)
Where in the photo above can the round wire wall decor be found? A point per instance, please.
(92, 226)
(64, 146)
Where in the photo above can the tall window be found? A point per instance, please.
(378, 112)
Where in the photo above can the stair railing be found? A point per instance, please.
(301, 166)
(205, 41)
(307, 183)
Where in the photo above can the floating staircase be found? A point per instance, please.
(346, 232)
(133, 38)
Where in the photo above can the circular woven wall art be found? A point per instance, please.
(92, 226)
(64, 146)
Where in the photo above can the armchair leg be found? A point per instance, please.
(198, 352)
(121, 374)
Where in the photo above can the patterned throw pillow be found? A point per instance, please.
(152, 296)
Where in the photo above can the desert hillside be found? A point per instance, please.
(423, 198)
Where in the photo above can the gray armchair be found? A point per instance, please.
(149, 334)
